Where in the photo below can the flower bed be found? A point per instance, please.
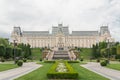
(62, 70)
(61, 67)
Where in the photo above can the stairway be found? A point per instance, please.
(61, 55)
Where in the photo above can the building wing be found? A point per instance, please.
(35, 33)
(85, 33)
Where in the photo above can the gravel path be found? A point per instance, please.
(106, 72)
(17, 72)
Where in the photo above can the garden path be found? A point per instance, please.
(17, 72)
(106, 72)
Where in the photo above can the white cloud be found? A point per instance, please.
(42, 14)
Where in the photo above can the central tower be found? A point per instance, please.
(60, 35)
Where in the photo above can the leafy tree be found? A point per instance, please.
(117, 56)
(105, 52)
(8, 52)
(26, 51)
(93, 50)
(96, 51)
(2, 50)
(118, 49)
(102, 45)
(113, 50)
(19, 52)
(30, 53)
(4, 42)
(117, 43)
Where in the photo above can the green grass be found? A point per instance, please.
(36, 53)
(4, 67)
(39, 74)
(114, 66)
(85, 74)
(86, 53)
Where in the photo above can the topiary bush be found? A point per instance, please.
(19, 63)
(98, 60)
(2, 60)
(40, 59)
(24, 60)
(81, 59)
(103, 63)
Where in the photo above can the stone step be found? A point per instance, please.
(65, 58)
(61, 55)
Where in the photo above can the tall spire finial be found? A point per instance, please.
(60, 24)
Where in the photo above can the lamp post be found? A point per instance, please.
(108, 46)
(14, 42)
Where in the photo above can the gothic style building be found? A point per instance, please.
(60, 37)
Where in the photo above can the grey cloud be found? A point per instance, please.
(78, 14)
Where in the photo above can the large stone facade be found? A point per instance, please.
(60, 37)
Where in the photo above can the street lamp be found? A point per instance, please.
(108, 47)
(14, 42)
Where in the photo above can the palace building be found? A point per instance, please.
(61, 37)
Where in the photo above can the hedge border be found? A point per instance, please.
(71, 74)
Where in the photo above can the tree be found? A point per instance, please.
(4, 42)
(27, 51)
(19, 52)
(113, 50)
(2, 50)
(102, 45)
(105, 52)
(118, 49)
(96, 51)
(8, 53)
(117, 43)
(30, 53)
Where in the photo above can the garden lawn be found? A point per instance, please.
(114, 66)
(85, 74)
(36, 53)
(86, 53)
(4, 67)
(39, 74)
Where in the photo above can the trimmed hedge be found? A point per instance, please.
(70, 74)
(49, 61)
(73, 61)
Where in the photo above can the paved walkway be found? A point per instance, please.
(17, 72)
(106, 72)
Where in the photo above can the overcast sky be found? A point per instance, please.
(42, 14)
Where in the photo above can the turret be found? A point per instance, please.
(104, 30)
(16, 33)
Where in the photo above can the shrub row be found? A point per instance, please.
(49, 61)
(70, 74)
(73, 61)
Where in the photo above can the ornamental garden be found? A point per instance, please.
(15, 55)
